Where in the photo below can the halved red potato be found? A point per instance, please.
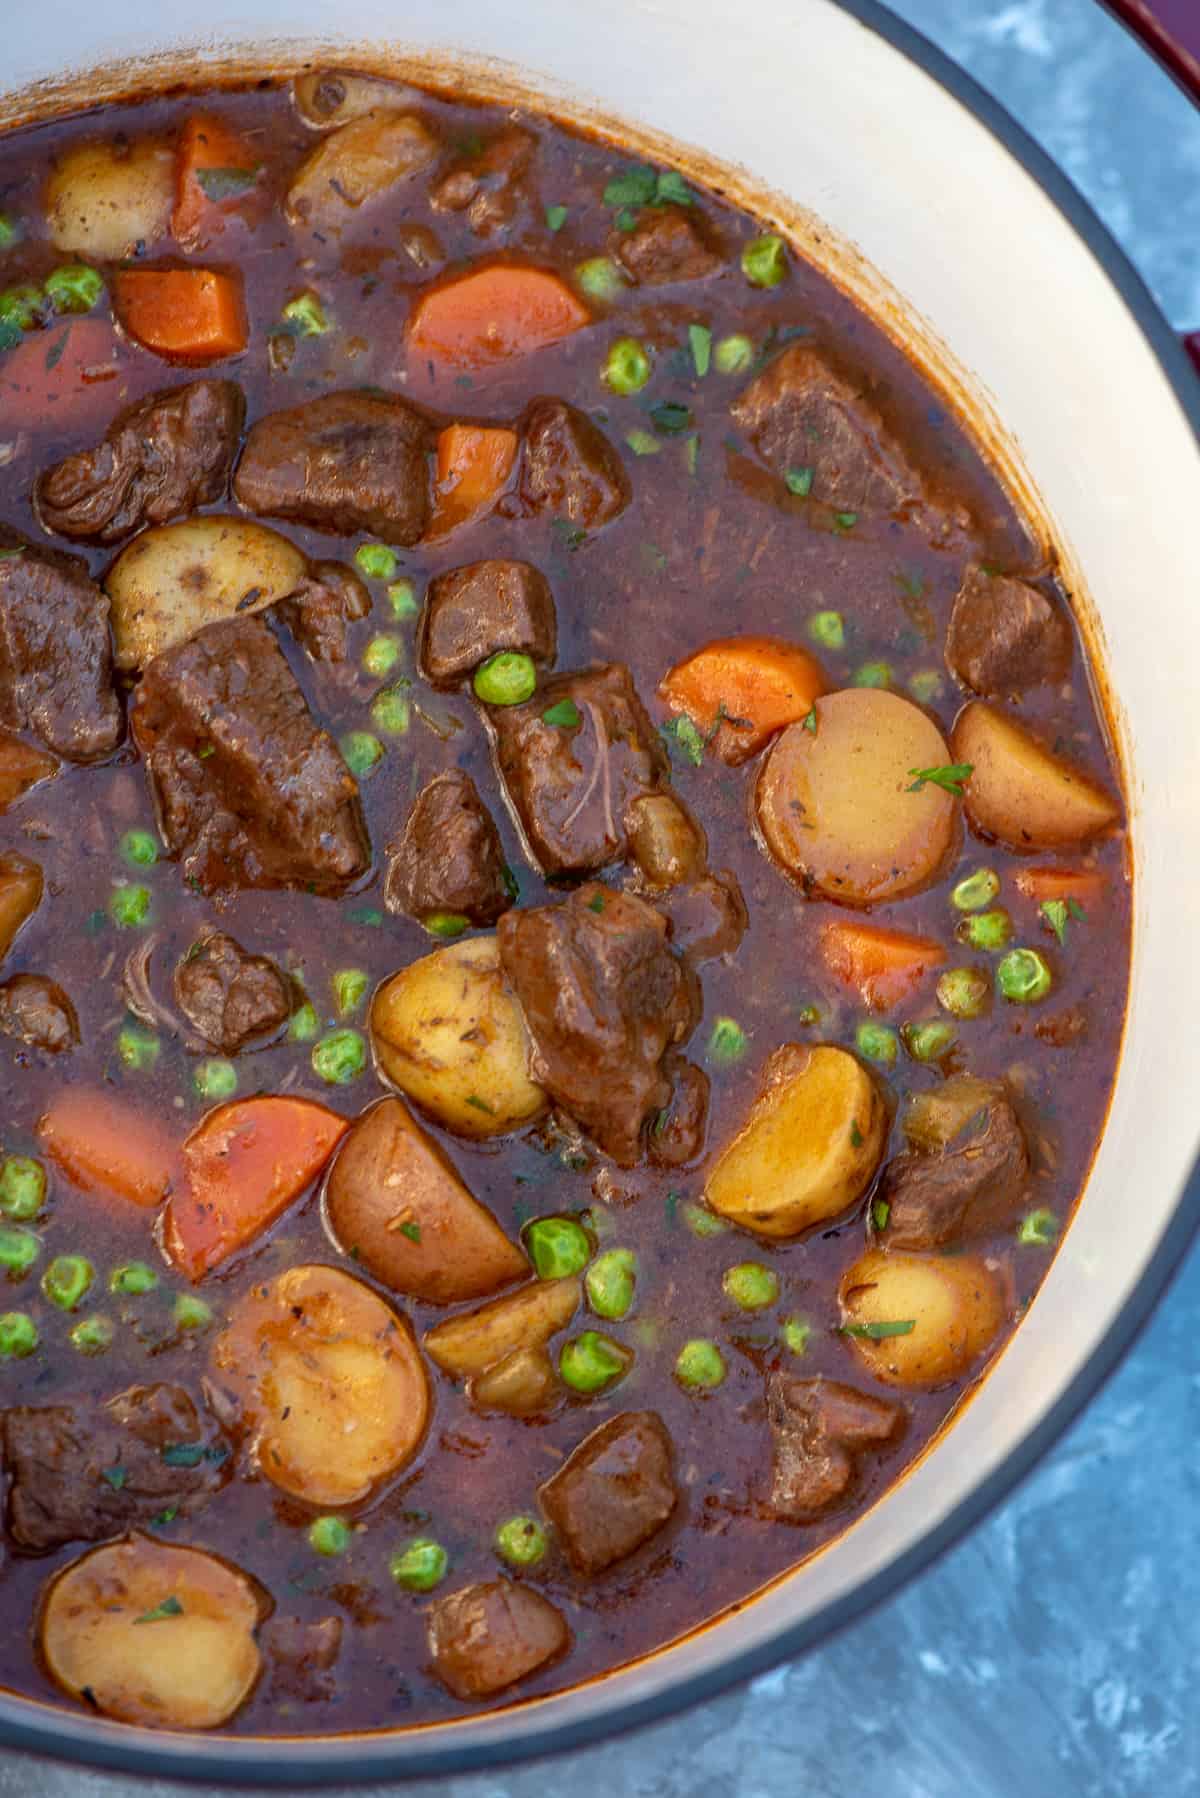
(467, 1346)
(919, 1320)
(1020, 792)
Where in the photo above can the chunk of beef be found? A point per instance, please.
(56, 668)
(798, 413)
(569, 468)
(486, 1637)
(250, 791)
(319, 611)
(574, 758)
(450, 857)
(473, 612)
(671, 243)
(301, 1656)
(344, 463)
(228, 996)
(605, 1000)
(677, 1134)
(976, 1185)
(708, 918)
(36, 1011)
(21, 766)
(613, 1492)
(820, 1431)
(489, 186)
(1004, 636)
(82, 1474)
(160, 458)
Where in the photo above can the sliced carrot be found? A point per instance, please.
(1084, 885)
(882, 966)
(493, 314)
(215, 169)
(740, 690)
(191, 314)
(474, 463)
(61, 378)
(243, 1166)
(21, 766)
(106, 1146)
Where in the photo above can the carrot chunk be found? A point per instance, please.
(474, 463)
(493, 314)
(882, 966)
(215, 169)
(106, 1146)
(1084, 885)
(740, 690)
(243, 1166)
(191, 314)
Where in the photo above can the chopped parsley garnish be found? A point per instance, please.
(700, 343)
(1037, 1229)
(856, 1135)
(225, 184)
(412, 1231)
(366, 915)
(670, 417)
(640, 185)
(170, 1607)
(810, 720)
(880, 1212)
(596, 903)
(845, 521)
(563, 715)
(642, 443)
(190, 1454)
(878, 1332)
(799, 481)
(162, 1518)
(571, 536)
(1058, 913)
(556, 217)
(683, 733)
(116, 1477)
(949, 778)
(480, 1104)
(727, 1042)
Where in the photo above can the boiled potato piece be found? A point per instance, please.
(153, 1634)
(466, 1346)
(665, 841)
(396, 1205)
(809, 1147)
(448, 1032)
(21, 766)
(331, 97)
(1019, 792)
(358, 162)
(330, 1382)
(176, 578)
(955, 1304)
(523, 1384)
(837, 806)
(103, 200)
(933, 1119)
(20, 895)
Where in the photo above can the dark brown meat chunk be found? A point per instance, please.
(976, 1185)
(345, 463)
(820, 1431)
(450, 858)
(165, 456)
(613, 1492)
(36, 1011)
(56, 670)
(318, 613)
(301, 1656)
(486, 1637)
(605, 999)
(81, 1474)
(22, 766)
(1004, 636)
(250, 791)
(572, 781)
(671, 243)
(488, 187)
(228, 996)
(677, 1134)
(473, 612)
(569, 467)
(708, 918)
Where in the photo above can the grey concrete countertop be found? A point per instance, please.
(1054, 1652)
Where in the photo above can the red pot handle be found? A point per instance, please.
(1170, 30)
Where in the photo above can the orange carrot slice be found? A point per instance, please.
(215, 169)
(106, 1146)
(474, 463)
(1084, 885)
(741, 690)
(882, 966)
(189, 314)
(493, 314)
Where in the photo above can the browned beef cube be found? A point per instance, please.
(486, 1637)
(162, 457)
(614, 1492)
(228, 996)
(672, 243)
(677, 1134)
(301, 1656)
(36, 1011)
(605, 999)
(473, 612)
(708, 918)
(490, 186)
(1004, 636)
(81, 1473)
(318, 613)
(976, 1185)
(574, 758)
(820, 1430)
(348, 462)
(250, 791)
(56, 670)
(450, 858)
(569, 468)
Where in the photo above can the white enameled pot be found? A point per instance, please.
(931, 205)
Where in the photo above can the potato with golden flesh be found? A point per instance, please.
(358, 162)
(1019, 792)
(152, 1634)
(330, 1382)
(920, 1319)
(21, 885)
(840, 806)
(808, 1149)
(449, 1033)
(395, 1203)
(467, 1346)
(665, 841)
(522, 1385)
(329, 98)
(104, 200)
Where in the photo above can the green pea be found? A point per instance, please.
(877, 1043)
(73, 287)
(733, 355)
(727, 1042)
(1023, 977)
(990, 930)
(702, 1222)
(137, 1050)
(750, 1285)
(420, 1565)
(329, 1536)
(446, 924)
(795, 1333)
(391, 711)
(22, 1188)
(764, 261)
(66, 1281)
(191, 1313)
(306, 316)
(361, 752)
(19, 1249)
(508, 678)
(930, 1040)
(382, 654)
(376, 561)
(558, 1246)
(700, 1365)
(129, 906)
(521, 1541)
(875, 674)
(600, 278)
(626, 367)
(134, 1279)
(964, 992)
(305, 1023)
(799, 481)
(828, 629)
(402, 599)
(93, 1335)
(21, 306)
(926, 686)
(610, 1282)
(215, 1078)
(139, 849)
(1037, 1229)
(590, 1362)
(18, 1336)
(976, 890)
(339, 1057)
(349, 990)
